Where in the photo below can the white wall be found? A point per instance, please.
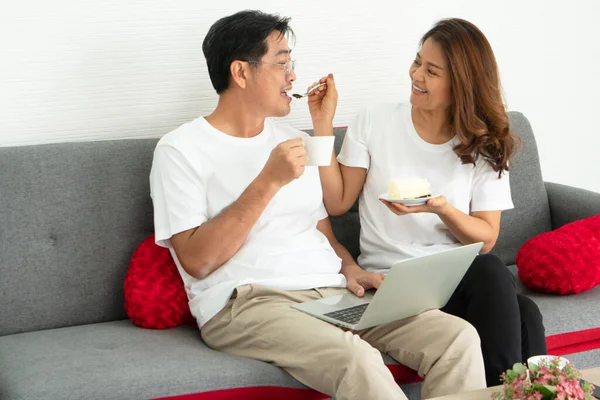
(88, 70)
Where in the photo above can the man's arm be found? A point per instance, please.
(203, 249)
(358, 279)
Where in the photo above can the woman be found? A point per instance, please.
(455, 133)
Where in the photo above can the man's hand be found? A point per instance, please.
(286, 162)
(360, 280)
(322, 102)
(437, 205)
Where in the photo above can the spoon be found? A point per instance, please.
(299, 96)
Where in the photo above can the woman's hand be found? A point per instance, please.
(480, 226)
(436, 205)
(322, 102)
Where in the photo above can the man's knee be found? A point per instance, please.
(465, 337)
(355, 351)
(347, 358)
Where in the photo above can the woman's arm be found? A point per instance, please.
(480, 226)
(341, 184)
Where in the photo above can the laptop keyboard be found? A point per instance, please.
(349, 315)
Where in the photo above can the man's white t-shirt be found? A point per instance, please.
(383, 140)
(197, 171)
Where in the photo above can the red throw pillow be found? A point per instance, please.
(154, 294)
(563, 261)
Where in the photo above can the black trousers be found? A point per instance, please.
(509, 324)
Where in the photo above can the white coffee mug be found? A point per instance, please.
(318, 149)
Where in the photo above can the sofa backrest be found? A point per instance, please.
(72, 214)
(531, 214)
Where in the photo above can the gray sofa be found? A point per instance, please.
(71, 216)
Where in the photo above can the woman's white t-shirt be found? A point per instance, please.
(383, 140)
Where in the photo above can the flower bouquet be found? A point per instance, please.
(546, 378)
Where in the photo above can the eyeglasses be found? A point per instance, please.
(288, 67)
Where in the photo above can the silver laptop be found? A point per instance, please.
(410, 287)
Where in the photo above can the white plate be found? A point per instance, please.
(406, 202)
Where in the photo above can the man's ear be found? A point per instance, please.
(239, 73)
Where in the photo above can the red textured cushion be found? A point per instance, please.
(154, 294)
(564, 261)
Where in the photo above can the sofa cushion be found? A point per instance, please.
(118, 360)
(155, 297)
(563, 261)
(584, 360)
(570, 321)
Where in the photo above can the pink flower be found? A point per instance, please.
(519, 383)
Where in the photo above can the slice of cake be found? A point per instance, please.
(408, 188)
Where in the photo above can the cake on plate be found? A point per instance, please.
(414, 188)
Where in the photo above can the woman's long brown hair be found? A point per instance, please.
(477, 115)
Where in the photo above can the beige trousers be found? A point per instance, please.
(260, 323)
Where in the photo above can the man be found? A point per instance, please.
(244, 219)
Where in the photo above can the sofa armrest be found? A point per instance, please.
(568, 203)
